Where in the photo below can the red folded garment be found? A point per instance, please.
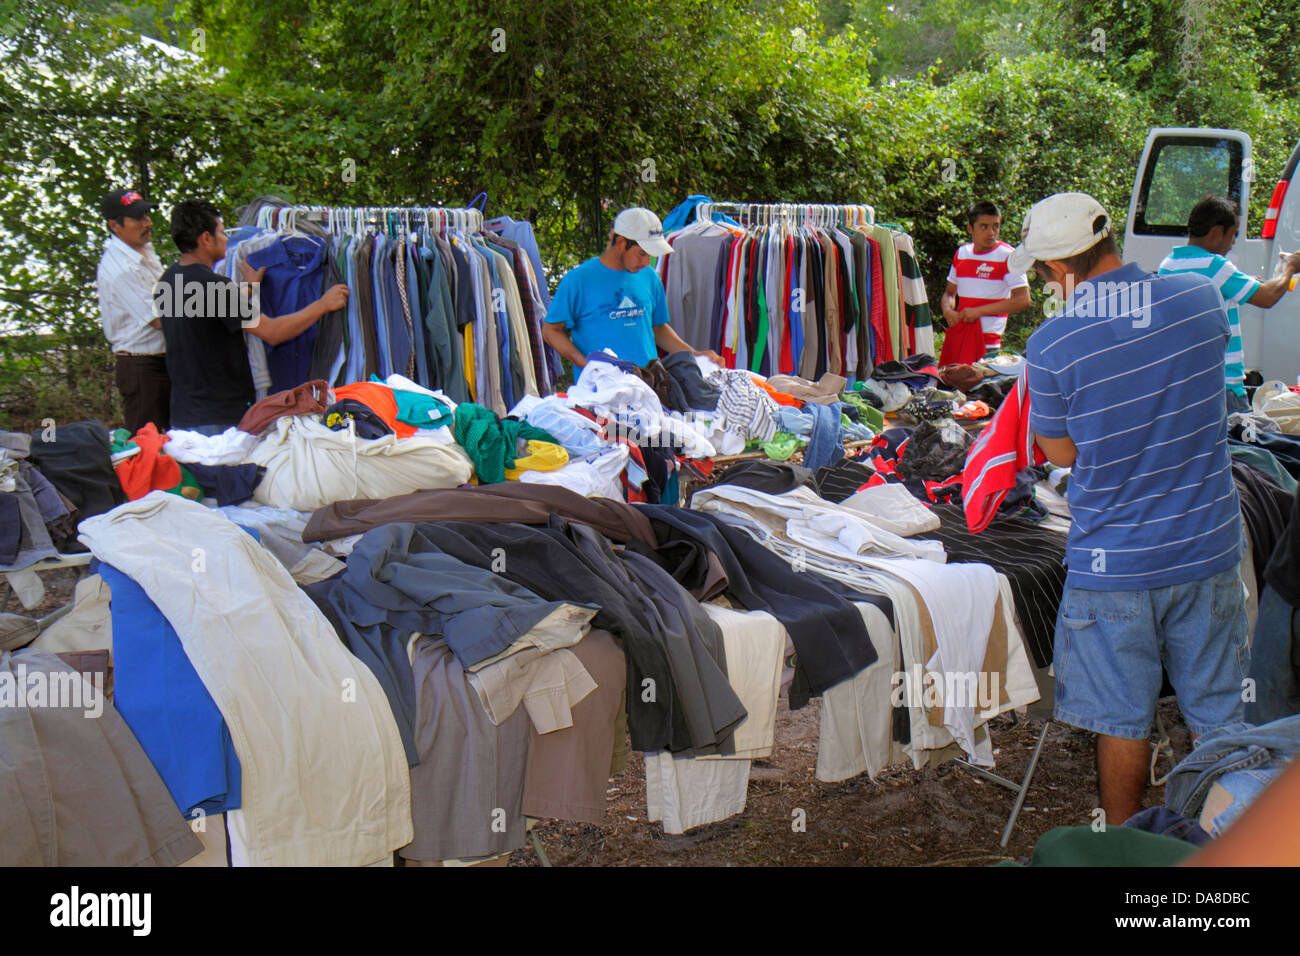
(301, 400)
(963, 344)
(150, 470)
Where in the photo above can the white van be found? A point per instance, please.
(1180, 167)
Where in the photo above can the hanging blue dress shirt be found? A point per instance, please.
(295, 275)
(399, 336)
(381, 306)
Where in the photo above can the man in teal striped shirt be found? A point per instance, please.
(1211, 232)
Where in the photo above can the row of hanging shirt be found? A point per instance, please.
(797, 289)
(436, 294)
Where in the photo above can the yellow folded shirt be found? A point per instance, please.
(542, 456)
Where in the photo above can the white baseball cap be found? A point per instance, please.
(1058, 227)
(644, 228)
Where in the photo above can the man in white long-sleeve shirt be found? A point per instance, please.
(127, 273)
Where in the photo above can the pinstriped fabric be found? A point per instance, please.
(400, 267)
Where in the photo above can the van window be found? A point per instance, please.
(1180, 172)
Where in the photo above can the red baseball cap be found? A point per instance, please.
(125, 202)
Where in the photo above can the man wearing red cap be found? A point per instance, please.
(127, 273)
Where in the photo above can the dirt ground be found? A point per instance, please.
(945, 816)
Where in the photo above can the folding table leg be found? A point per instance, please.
(537, 846)
(1024, 786)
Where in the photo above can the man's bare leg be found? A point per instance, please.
(1122, 768)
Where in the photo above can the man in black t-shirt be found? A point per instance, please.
(204, 316)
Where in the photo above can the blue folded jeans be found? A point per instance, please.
(1165, 822)
(824, 447)
(1244, 758)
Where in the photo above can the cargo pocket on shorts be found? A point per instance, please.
(1229, 597)
(1071, 628)
(1228, 617)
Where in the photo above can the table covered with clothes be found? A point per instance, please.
(446, 622)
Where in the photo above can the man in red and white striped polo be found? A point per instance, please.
(980, 288)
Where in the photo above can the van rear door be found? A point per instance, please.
(1179, 167)
(1281, 324)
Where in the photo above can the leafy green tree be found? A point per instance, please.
(563, 111)
(941, 39)
(1014, 134)
(1216, 63)
(88, 105)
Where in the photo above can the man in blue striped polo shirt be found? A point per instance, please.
(1211, 233)
(1126, 388)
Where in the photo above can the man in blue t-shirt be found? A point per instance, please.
(1126, 389)
(612, 302)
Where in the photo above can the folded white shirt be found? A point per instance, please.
(231, 447)
(892, 508)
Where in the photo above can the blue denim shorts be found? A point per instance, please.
(1110, 646)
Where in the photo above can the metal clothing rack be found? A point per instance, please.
(345, 219)
(793, 214)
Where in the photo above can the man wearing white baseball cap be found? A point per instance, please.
(612, 302)
(1126, 388)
